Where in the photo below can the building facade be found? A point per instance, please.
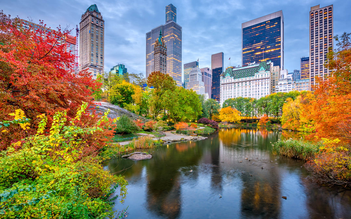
(195, 81)
(321, 39)
(263, 40)
(160, 55)
(304, 68)
(172, 34)
(207, 79)
(275, 75)
(91, 41)
(251, 81)
(217, 69)
(301, 85)
(119, 69)
(296, 75)
(187, 69)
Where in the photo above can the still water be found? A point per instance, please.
(232, 174)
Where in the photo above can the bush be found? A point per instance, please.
(161, 125)
(207, 121)
(193, 125)
(205, 131)
(139, 123)
(126, 126)
(57, 175)
(143, 143)
(150, 126)
(181, 126)
(296, 149)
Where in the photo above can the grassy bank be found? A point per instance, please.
(297, 149)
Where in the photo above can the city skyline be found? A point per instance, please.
(208, 28)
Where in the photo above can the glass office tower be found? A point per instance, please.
(172, 34)
(187, 69)
(171, 13)
(305, 69)
(263, 40)
(217, 69)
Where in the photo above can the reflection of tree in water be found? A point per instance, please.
(260, 197)
(326, 202)
(163, 177)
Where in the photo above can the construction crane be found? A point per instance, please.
(76, 69)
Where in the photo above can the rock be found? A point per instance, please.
(138, 156)
(284, 197)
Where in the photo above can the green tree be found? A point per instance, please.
(211, 107)
(121, 94)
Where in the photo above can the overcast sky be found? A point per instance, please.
(209, 26)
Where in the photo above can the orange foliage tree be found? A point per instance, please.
(181, 126)
(229, 114)
(36, 76)
(263, 121)
(331, 112)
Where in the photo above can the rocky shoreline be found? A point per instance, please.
(170, 138)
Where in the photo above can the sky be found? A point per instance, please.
(208, 26)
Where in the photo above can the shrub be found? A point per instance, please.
(333, 163)
(206, 121)
(161, 125)
(126, 126)
(143, 143)
(57, 175)
(296, 149)
(205, 131)
(181, 126)
(193, 125)
(150, 126)
(139, 123)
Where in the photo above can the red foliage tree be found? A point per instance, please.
(36, 76)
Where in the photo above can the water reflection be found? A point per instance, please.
(230, 175)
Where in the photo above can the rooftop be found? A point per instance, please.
(93, 8)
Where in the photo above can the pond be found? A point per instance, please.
(232, 174)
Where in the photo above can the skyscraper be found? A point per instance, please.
(321, 39)
(195, 81)
(160, 55)
(91, 41)
(217, 69)
(305, 69)
(172, 34)
(263, 40)
(119, 69)
(187, 69)
(171, 13)
(207, 79)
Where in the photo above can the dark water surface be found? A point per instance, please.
(213, 179)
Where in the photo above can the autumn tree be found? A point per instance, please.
(36, 76)
(229, 114)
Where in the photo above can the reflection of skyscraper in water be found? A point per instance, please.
(172, 34)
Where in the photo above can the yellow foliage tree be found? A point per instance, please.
(229, 114)
(296, 113)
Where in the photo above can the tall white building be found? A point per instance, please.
(321, 39)
(91, 41)
(195, 81)
(250, 81)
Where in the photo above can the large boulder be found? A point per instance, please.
(116, 111)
